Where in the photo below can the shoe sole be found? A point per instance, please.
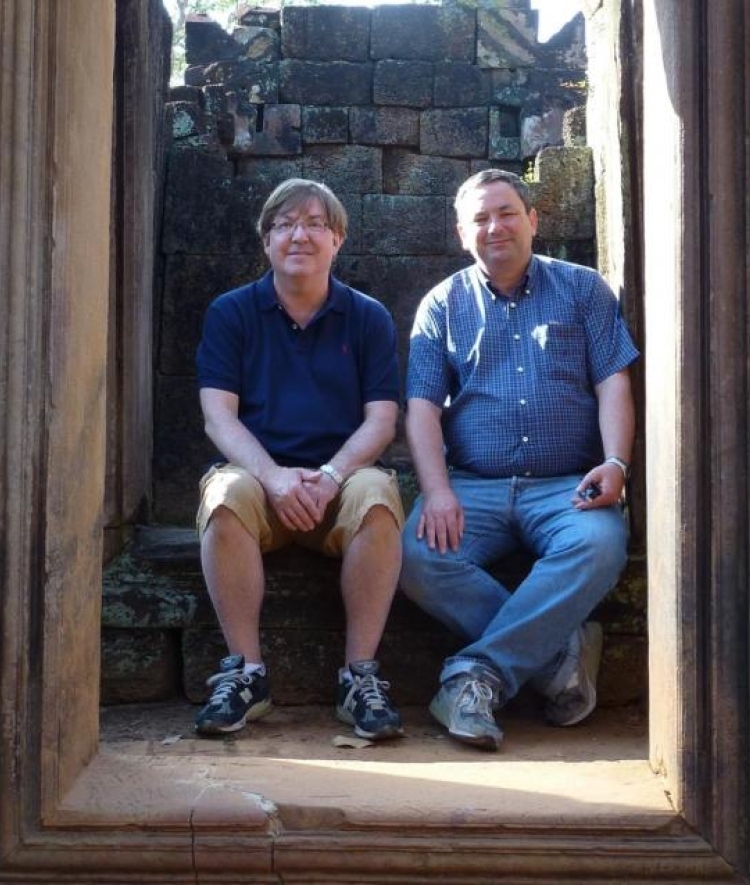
(481, 742)
(390, 731)
(593, 643)
(257, 711)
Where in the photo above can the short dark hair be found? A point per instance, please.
(487, 176)
(295, 193)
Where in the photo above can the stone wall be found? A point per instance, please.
(393, 107)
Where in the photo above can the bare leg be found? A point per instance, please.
(369, 575)
(233, 569)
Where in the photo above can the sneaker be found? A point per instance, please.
(464, 706)
(363, 703)
(577, 699)
(237, 698)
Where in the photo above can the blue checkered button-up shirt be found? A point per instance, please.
(515, 376)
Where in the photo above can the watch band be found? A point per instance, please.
(623, 465)
(331, 471)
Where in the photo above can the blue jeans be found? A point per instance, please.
(523, 634)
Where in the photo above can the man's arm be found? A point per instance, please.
(362, 448)
(617, 428)
(285, 486)
(442, 520)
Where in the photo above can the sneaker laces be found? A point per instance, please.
(225, 684)
(476, 697)
(372, 689)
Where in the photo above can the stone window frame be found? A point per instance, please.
(55, 113)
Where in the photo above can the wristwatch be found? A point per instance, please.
(331, 471)
(623, 465)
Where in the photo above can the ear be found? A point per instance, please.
(534, 220)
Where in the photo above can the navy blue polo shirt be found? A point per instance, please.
(301, 392)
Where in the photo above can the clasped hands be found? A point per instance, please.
(299, 496)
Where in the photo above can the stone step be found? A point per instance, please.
(160, 637)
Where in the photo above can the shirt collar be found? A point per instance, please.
(523, 288)
(269, 300)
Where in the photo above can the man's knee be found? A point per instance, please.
(224, 526)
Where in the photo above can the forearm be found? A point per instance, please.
(238, 445)
(616, 416)
(424, 434)
(369, 441)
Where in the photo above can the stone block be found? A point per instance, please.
(539, 131)
(191, 282)
(455, 133)
(351, 169)
(460, 84)
(405, 83)
(403, 225)
(206, 41)
(353, 205)
(207, 210)
(574, 127)
(183, 119)
(386, 126)
(257, 82)
(258, 44)
(325, 125)
(321, 33)
(265, 174)
(425, 33)
(503, 144)
(260, 17)
(277, 131)
(405, 172)
(139, 666)
(193, 94)
(506, 38)
(564, 193)
(567, 48)
(325, 83)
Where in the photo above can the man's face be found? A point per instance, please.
(300, 243)
(496, 228)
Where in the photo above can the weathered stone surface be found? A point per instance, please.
(324, 33)
(403, 225)
(253, 82)
(350, 168)
(259, 17)
(406, 83)
(194, 224)
(567, 48)
(325, 125)
(264, 174)
(505, 143)
(460, 84)
(191, 282)
(506, 37)
(207, 41)
(574, 127)
(192, 94)
(407, 173)
(428, 33)
(541, 131)
(275, 130)
(325, 83)
(183, 119)
(258, 44)
(353, 205)
(139, 665)
(454, 133)
(564, 193)
(387, 126)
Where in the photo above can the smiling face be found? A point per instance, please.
(498, 231)
(300, 242)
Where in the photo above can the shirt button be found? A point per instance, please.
(522, 401)
(519, 369)
(512, 303)
(528, 473)
(525, 438)
(295, 326)
(516, 337)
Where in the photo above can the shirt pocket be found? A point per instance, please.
(561, 351)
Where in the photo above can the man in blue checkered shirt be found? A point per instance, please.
(520, 420)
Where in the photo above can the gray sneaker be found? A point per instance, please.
(464, 706)
(577, 699)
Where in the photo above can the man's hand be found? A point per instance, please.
(288, 492)
(323, 489)
(441, 523)
(608, 479)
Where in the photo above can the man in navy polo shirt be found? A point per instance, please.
(520, 420)
(299, 390)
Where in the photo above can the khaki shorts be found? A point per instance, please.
(234, 488)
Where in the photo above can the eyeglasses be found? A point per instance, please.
(311, 225)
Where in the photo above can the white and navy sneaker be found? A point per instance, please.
(237, 698)
(364, 703)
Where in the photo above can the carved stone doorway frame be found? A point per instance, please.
(55, 120)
